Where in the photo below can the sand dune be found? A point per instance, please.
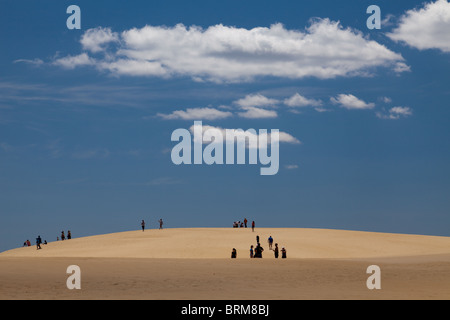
(217, 243)
(195, 264)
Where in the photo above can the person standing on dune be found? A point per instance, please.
(283, 253)
(253, 226)
(270, 241)
(160, 223)
(38, 242)
(143, 225)
(275, 251)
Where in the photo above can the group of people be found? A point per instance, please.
(256, 252)
(63, 236)
(160, 224)
(243, 224)
(38, 243)
(39, 240)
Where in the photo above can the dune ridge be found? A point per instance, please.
(217, 243)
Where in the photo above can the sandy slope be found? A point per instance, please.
(195, 264)
(207, 243)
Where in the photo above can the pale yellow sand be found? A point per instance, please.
(217, 243)
(196, 264)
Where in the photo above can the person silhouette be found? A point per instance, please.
(275, 251)
(38, 243)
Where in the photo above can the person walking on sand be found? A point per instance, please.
(275, 251)
(143, 225)
(160, 223)
(38, 243)
(253, 226)
(270, 240)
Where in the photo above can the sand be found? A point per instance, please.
(195, 264)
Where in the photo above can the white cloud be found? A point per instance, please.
(71, 62)
(300, 101)
(257, 113)
(395, 113)
(36, 62)
(386, 99)
(349, 101)
(291, 166)
(95, 39)
(256, 100)
(229, 54)
(253, 106)
(425, 28)
(196, 114)
(252, 137)
(404, 111)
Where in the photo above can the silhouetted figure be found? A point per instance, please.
(283, 253)
(69, 235)
(253, 226)
(233, 254)
(143, 225)
(63, 237)
(270, 240)
(38, 242)
(275, 251)
(258, 251)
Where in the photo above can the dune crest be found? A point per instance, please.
(217, 243)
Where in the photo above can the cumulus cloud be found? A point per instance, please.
(349, 101)
(425, 28)
(257, 113)
(196, 114)
(251, 136)
(221, 53)
(95, 40)
(71, 62)
(298, 100)
(254, 107)
(395, 113)
(256, 100)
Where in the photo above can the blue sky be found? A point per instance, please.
(86, 115)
